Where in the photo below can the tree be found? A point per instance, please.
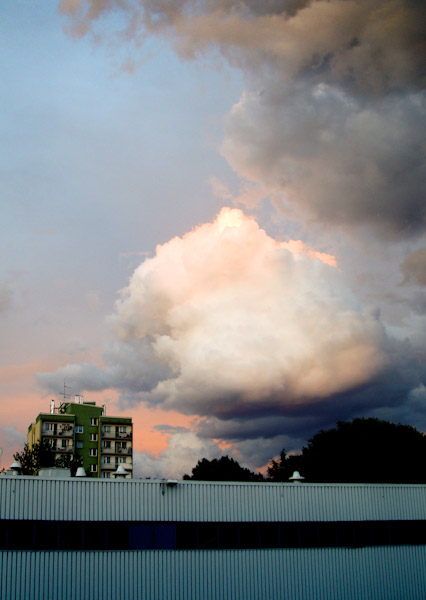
(32, 459)
(358, 451)
(283, 469)
(41, 455)
(222, 469)
(366, 451)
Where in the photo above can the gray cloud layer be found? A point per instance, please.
(335, 114)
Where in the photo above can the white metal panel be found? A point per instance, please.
(385, 573)
(147, 500)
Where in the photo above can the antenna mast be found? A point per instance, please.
(65, 393)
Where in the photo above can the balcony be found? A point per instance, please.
(123, 450)
(109, 466)
(113, 435)
(66, 450)
(65, 434)
(116, 451)
(62, 433)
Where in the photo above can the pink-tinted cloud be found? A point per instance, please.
(226, 320)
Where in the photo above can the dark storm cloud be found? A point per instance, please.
(334, 117)
(339, 160)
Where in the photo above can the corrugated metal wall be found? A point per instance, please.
(339, 574)
(141, 500)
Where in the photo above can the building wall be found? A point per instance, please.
(64, 425)
(112, 456)
(385, 573)
(34, 433)
(153, 500)
(83, 415)
(367, 573)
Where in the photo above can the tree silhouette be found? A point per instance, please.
(366, 451)
(42, 455)
(359, 451)
(32, 459)
(282, 469)
(222, 469)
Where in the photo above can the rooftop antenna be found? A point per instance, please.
(65, 393)
(66, 397)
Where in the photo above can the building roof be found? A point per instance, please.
(155, 500)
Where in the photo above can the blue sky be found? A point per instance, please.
(112, 147)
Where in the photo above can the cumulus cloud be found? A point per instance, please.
(375, 45)
(182, 454)
(242, 322)
(231, 325)
(334, 117)
(258, 337)
(339, 160)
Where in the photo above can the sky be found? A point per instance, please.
(213, 219)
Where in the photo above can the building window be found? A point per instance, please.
(143, 535)
(107, 460)
(120, 445)
(48, 426)
(106, 475)
(79, 444)
(64, 443)
(93, 437)
(93, 468)
(94, 422)
(107, 444)
(123, 429)
(79, 428)
(93, 452)
(107, 428)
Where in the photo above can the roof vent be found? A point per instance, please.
(80, 472)
(120, 472)
(296, 477)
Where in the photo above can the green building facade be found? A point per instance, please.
(82, 429)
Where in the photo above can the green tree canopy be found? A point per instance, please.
(358, 451)
(222, 469)
(41, 456)
(32, 459)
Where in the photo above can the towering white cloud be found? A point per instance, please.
(241, 321)
(227, 321)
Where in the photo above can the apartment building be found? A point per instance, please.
(82, 429)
